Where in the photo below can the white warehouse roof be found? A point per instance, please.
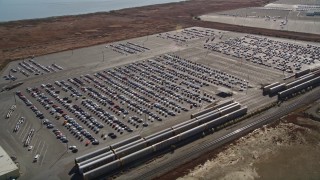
(7, 166)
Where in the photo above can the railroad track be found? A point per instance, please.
(266, 118)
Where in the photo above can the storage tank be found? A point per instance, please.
(102, 170)
(92, 154)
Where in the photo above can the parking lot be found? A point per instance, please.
(137, 87)
(269, 53)
(281, 15)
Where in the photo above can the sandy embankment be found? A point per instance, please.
(286, 151)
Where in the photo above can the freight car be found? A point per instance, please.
(124, 154)
(289, 92)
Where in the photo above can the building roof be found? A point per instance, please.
(6, 163)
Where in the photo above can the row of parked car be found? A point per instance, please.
(71, 123)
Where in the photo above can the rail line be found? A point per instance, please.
(271, 116)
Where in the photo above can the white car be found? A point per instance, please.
(72, 147)
(36, 158)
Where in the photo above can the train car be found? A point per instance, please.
(277, 89)
(192, 132)
(128, 145)
(184, 123)
(181, 128)
(223, 103)
(209, 117)
(96, 163)
(223, 119)
(266, 89)
(238, 113)
(81, 164)
(126, 141)
(287, 93)
(205, 111)
(158, 133)
(230, 109)
(140, 154)
(301, 73)
(166, 143)
(219, 112)
(102, 170)
(160, 137)
(124, 152)
(300, 80)
(92, 154)
(227, 106)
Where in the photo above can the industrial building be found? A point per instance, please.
(9, 169)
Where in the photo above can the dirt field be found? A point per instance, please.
(21, 39)
(287, 150)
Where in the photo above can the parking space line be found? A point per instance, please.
(25, 127)
(44, 155)
(35, 141)
(40, 152)
(26, 134)
(36, 151)
(13, 125)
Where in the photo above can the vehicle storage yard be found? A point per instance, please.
(284, 15)
(138, 87)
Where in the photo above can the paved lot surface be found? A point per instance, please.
(281, 15)
(165, 76)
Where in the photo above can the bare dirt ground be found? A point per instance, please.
(20, 39)
(287, 150)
